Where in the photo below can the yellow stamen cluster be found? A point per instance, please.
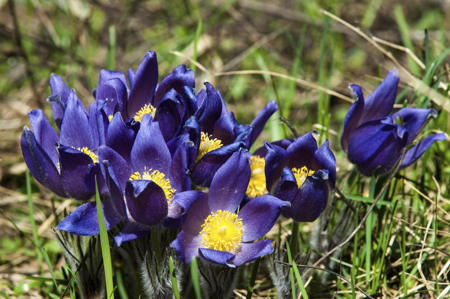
(158, 178)
(86, 151)
(257, 185)
(147, 109)
(301, 174)
(207, 144)
(222, 231)
(110, 118)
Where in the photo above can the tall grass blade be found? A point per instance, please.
(111, 56)
(50, 268)
(198, 32)
(32, 222)
(104, 242)
(195, 281)
(251, 284)
(173, 278)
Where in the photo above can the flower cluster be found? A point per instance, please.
(163, 154)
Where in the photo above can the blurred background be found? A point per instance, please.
(76, 39)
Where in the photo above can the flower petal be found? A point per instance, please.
(107, 92)
(284, 144)
(301, 151)
(168, 115)
(224, 128)
(248, 252)
(260, 121)
(416, 151)
(310, 200)
(324, 159)
(220, 258)
(44, 133)
(276, 160)
(120, 137)
(146, 202)
(195, 203)
(59, 88)
(150, 149)
(132, 231)
(353, 118)
(84, 220)
(121, 89)
(40, 164)
(180, 77)
(179, 177)
(187, 246)
(144, 84)
(287, 187)
(259, 216)
(210, 111)
(74, 167)
(75, 129)
(230, 183)
(413, 119)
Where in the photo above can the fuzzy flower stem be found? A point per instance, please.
(155, 247)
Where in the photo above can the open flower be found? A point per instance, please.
(68, 164)
(372, 137)
(142, 193)
(302, 174)
(214, 231)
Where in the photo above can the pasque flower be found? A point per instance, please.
(302, 174)
(68, 164)
(213, 230)
(143, 193)
(372, 137)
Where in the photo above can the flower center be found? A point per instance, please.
(147, 109)
(158, 178)
(207, 144)
(301, 174)
(110, 118)
(222, 231)
(257, 185)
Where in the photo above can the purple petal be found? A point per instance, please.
(301, 151)
(59, 88)
(195, 203)
(276, 160)
(40, 164)
(220, 258)
(353, 118)
(179, 178)
(44, 133)
(150, 149)
(310, 200)
(230, 183)
(248, 252)
(187, 246)
(260, 121)
(121, 90)
(180, 77)
(143, 84)
(75, 130)
(259, 216)
(74, 167)
(208, 165)
(324, 159)
(168, 115)
(84, 220)
(413, 119)
(132, 231)
(106, 91)
(146, 202)
(284, 144)
(416, 151)
(117, 166)
(212, 110)
(367, 139)
(95, 174)
(93, 124)
(381, 101)
(287, 188)
(120, 137)
(224, 128)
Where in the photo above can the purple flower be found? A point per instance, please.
(143, 192)
(214, 231)
(302, 174)
(68, 164)
(372, 137)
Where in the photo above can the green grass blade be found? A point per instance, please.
(47, 260)
(321, 76)
(111, 56)
(120, 285)
(253, 278)
(218, 13)
(45, 279)
(194, 275)
(371, 13)
(173, 278)
(104, 242)
(32, 222)
(299, 281)
(291, 271)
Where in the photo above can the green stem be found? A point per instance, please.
(155, 247)
(294, 239)
(253, 278)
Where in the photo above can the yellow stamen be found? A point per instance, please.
(257, 185)
(158, 178)
(86, 151)
(222, 231)
(110, 118)
(301, 174)
(207, 144)
(147, 109)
